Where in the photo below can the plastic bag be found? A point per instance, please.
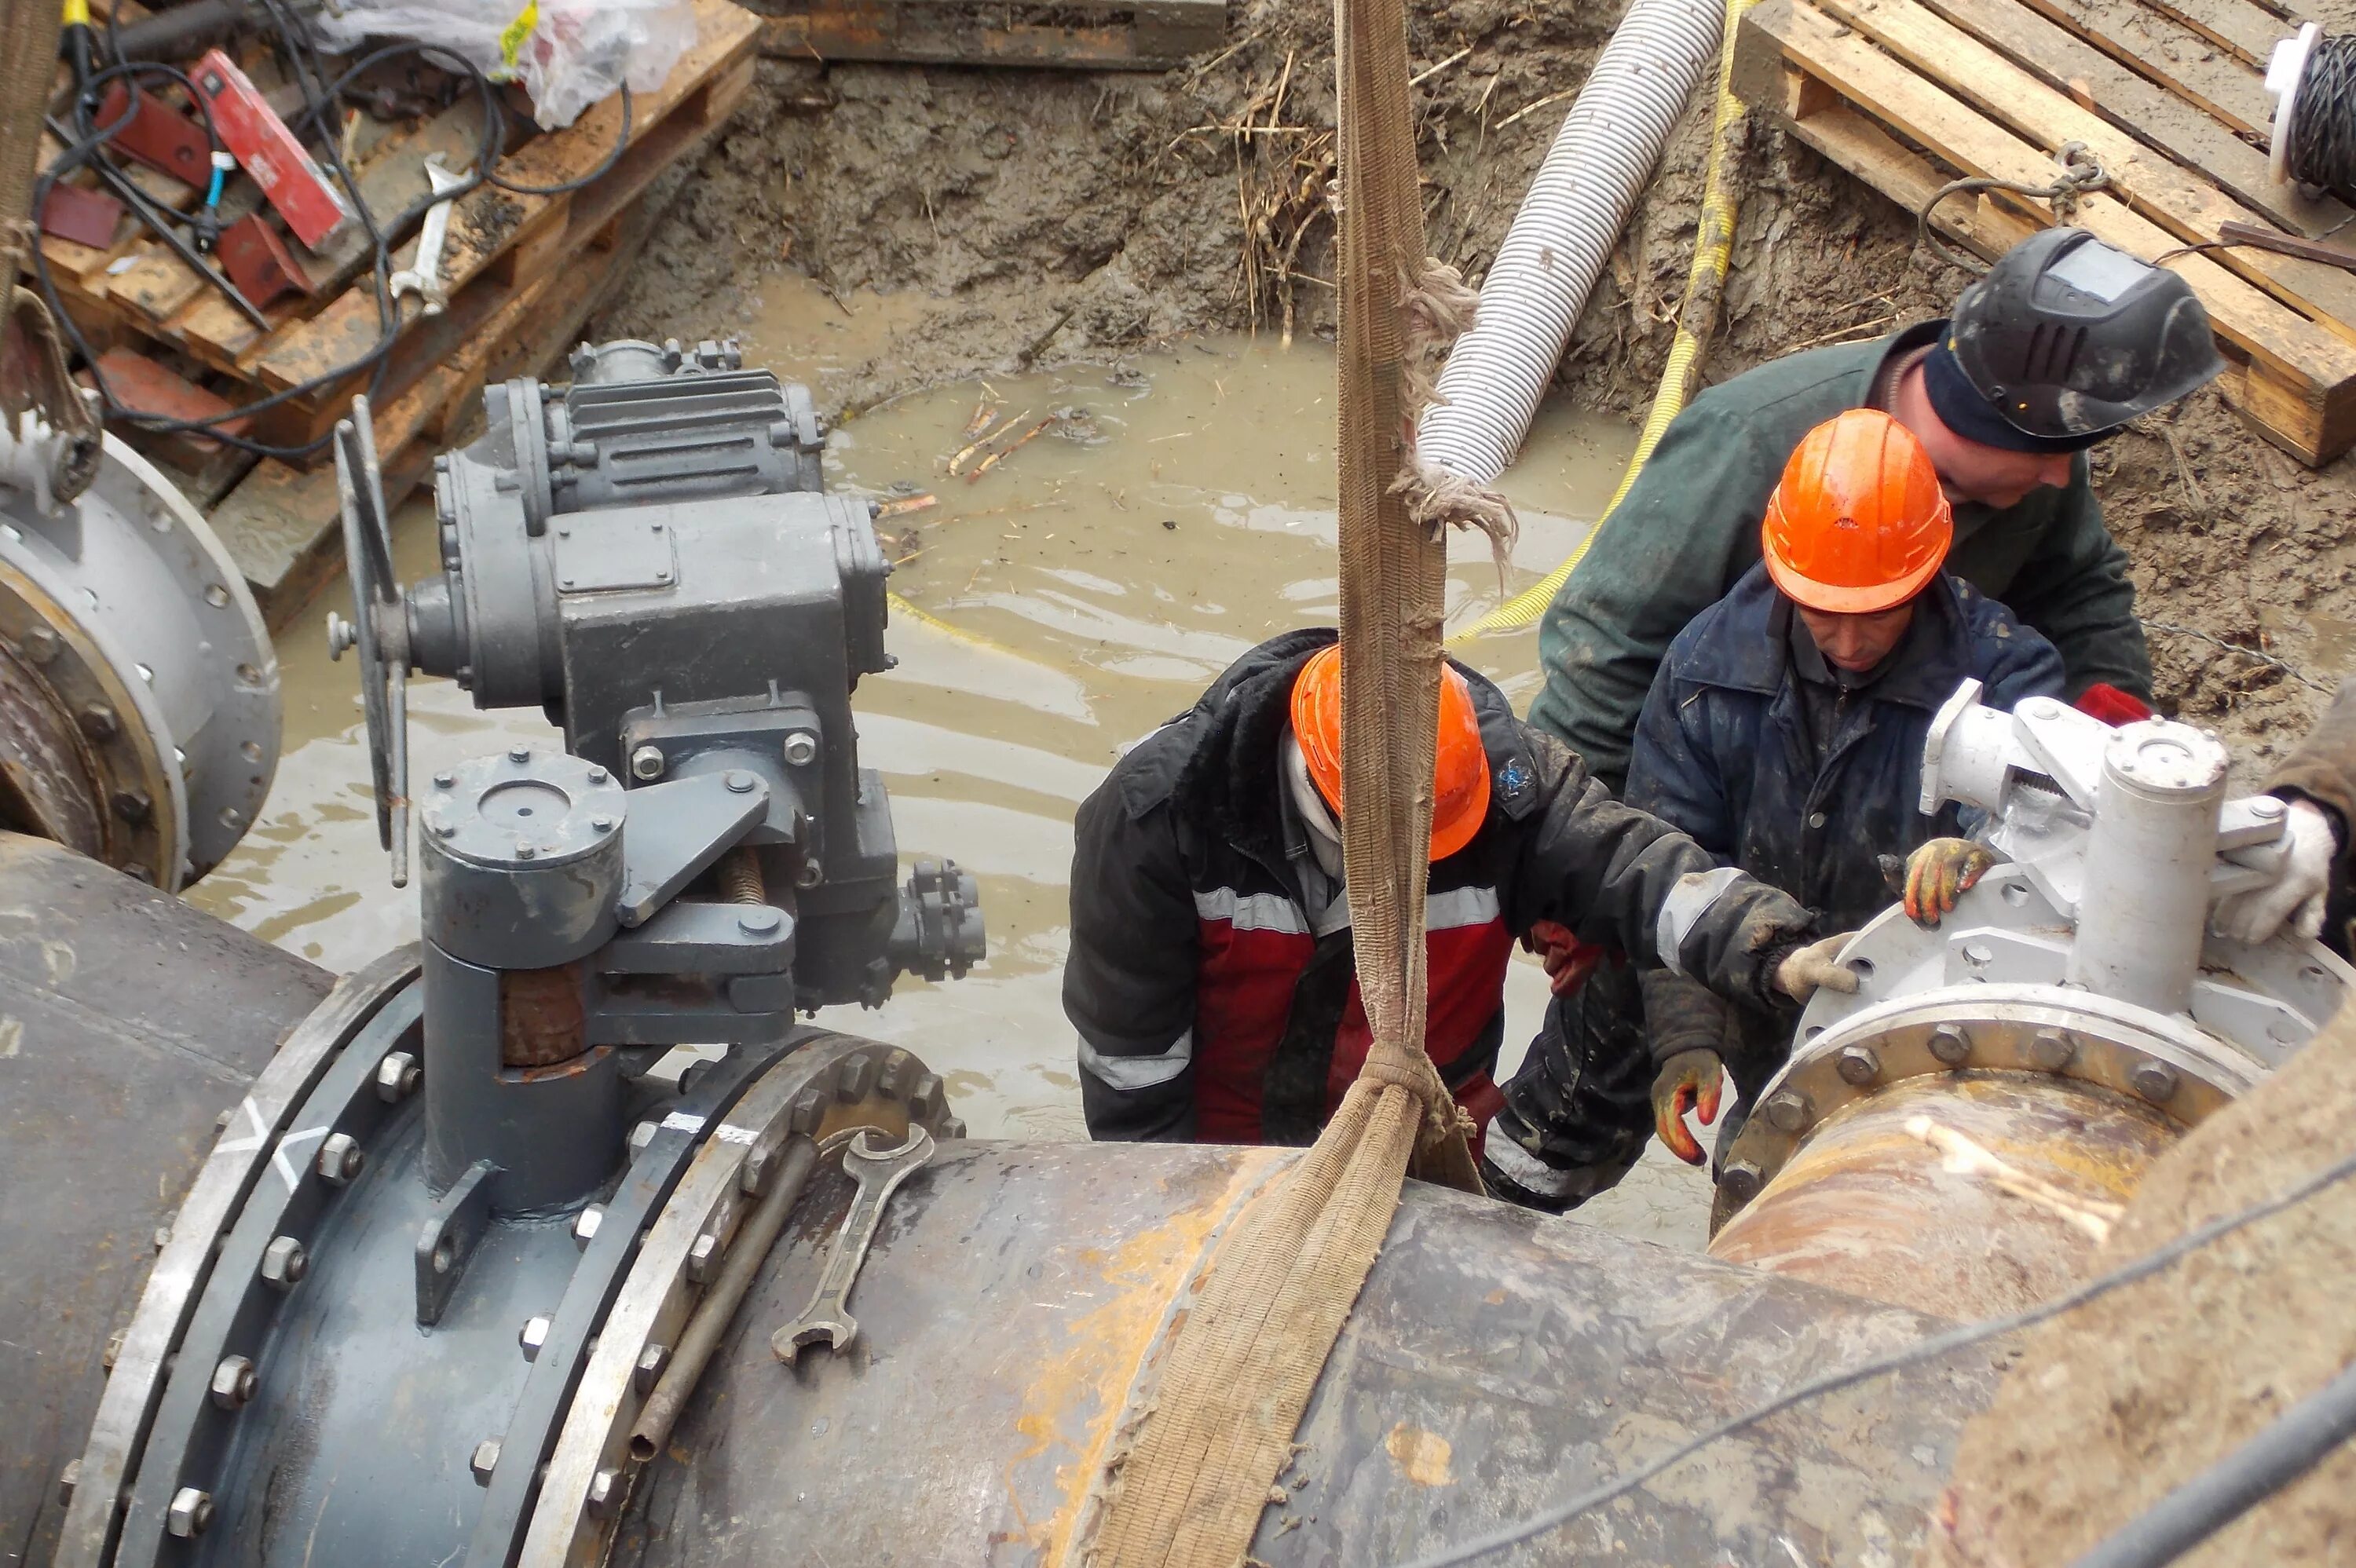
(569, 54)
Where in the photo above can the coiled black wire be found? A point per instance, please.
(2322, 146)
(321, 118)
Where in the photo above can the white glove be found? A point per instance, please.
(2298, 895)
(1816, 966)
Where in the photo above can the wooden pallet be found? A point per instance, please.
(279, 523)
(1086, 35)
(1908, 94)
(141, 295)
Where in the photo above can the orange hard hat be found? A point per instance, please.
(1460, 790)
(1857, 523)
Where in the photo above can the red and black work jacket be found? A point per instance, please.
(1210, 1008)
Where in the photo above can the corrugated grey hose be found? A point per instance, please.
(2297, 1441)
(1564, 233)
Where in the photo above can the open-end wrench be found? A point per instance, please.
(879, 1172)
(424, 276)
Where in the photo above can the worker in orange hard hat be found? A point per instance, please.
(1212, 977)
(1784, 734)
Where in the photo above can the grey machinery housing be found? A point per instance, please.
(649, 557)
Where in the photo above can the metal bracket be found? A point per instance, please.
(677, 831)
(448, 1240)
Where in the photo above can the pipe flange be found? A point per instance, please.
(164, 647)
(71, 684)
(135, 1385)
(829, 1086)
(259, 1270)
(2131, 1052)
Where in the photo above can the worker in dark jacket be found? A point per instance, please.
(1784, 734)
(1211, 976)
(2064, 342)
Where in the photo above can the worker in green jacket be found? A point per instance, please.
(2064, 341)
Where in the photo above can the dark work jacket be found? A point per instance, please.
(1723, 750)
(1208, 1008)
(1688, 528)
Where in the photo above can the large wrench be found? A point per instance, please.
(879, 1172)
(424, 276)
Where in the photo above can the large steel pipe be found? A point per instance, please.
(1011, 1312)
(132, 1026)
(1870, 1206)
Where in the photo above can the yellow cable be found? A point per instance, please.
(1713, 248)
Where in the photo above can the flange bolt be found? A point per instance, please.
(340, 1158)
(484, 1460)
(2154, 1080)
(397, 1077)
(1742, 1180)
(284, 1262)
(1951, 1045)
(1859, 1064)
(646, 763)
(605, 1491)
(2051, 1050)
(532, 1336)
(1788, 1112)
(233, 1382)
(191, 1513)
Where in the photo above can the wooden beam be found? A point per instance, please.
(2178, 201)
(489, 221)
(2170, 54)
(2244, 29)
(2093, 80)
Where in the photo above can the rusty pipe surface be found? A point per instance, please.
(718, 1307)
(1866, 1206)
(1015, 1301)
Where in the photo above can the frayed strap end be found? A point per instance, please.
(1440, 499)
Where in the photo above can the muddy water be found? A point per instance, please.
(1175, 509)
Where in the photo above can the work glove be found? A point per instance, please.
(1569, 961)
(1816, 967)
(1691, 1080)
(1939, 873)
(2298, 895)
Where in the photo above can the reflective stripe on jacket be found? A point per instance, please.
(1208, 1008)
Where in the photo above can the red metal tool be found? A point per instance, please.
(157, 134)
(268, 150)
(85, 217)
(258, 261)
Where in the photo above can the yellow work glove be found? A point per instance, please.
(1815, 967)
(1939, 873)
(1691, 1080)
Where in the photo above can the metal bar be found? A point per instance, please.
(2233, 231)
(718, 1307)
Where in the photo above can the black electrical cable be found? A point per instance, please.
(2322, 146)
(322, 100)
(2295, 1444)
(1932, 1349)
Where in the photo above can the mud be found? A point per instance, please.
(1030, 217)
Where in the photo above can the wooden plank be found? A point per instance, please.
(2170, 54)
(2182, 202)
(680, 136)
(391, 181)
(2237, 26)
(487, 221)
(2151, 113)
(281, 525)
(2308, 374)
(1086, 35)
